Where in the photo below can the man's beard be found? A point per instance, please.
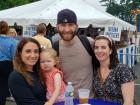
(62, 34)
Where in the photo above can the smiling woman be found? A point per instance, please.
(113, 81)
(26, 82)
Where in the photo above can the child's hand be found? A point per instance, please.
(48, 103)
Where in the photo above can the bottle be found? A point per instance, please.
(69, 94)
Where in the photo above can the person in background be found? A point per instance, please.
(91, 31)
(75, 61)
(50, 31)
(49, 64)
(12, 32)
(41, 31)
(26, 81)
(112, 81)
(7, 52)
(56, 37)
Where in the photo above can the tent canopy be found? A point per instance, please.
(46, 11)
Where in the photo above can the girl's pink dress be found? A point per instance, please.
(49, 76)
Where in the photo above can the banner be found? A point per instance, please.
(113, 32)
(30, 30)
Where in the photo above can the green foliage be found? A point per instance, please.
(122, 9)
(115, 9)
(5, 4)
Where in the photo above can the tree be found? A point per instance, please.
(122, 9)
(5, 4)
(131, 5)
(108, 2)
(112, 7)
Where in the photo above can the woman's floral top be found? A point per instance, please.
(110, 89)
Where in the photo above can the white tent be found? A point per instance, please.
(35, 7)
(96, 4)
(46, 11)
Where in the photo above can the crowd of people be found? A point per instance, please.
(37, 71)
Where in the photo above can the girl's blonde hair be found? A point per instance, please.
(53, 54)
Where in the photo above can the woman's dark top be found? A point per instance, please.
(110, 89)
(25, 94)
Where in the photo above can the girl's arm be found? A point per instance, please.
(128, 93)
(57, 86)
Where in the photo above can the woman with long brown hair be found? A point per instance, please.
(25, 82)
(112, 81)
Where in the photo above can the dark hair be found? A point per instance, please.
(41, 28)
(113, 56)
(4, 28)
(19, 65)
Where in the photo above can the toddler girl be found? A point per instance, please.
(52, 75)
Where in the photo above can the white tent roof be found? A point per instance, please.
(96, 4)
(35, 7)
(46, 11)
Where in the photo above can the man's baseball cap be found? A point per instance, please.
(66, 16)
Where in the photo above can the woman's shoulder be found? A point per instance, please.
(125, 73)
(121, 66)
(122, 69)
(15, 73)
(15, 76)
(16, 79)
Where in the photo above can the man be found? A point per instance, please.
(41, 31)
(76, 63)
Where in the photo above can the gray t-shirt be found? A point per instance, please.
(76, 64)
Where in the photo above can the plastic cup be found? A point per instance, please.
(83, 95)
